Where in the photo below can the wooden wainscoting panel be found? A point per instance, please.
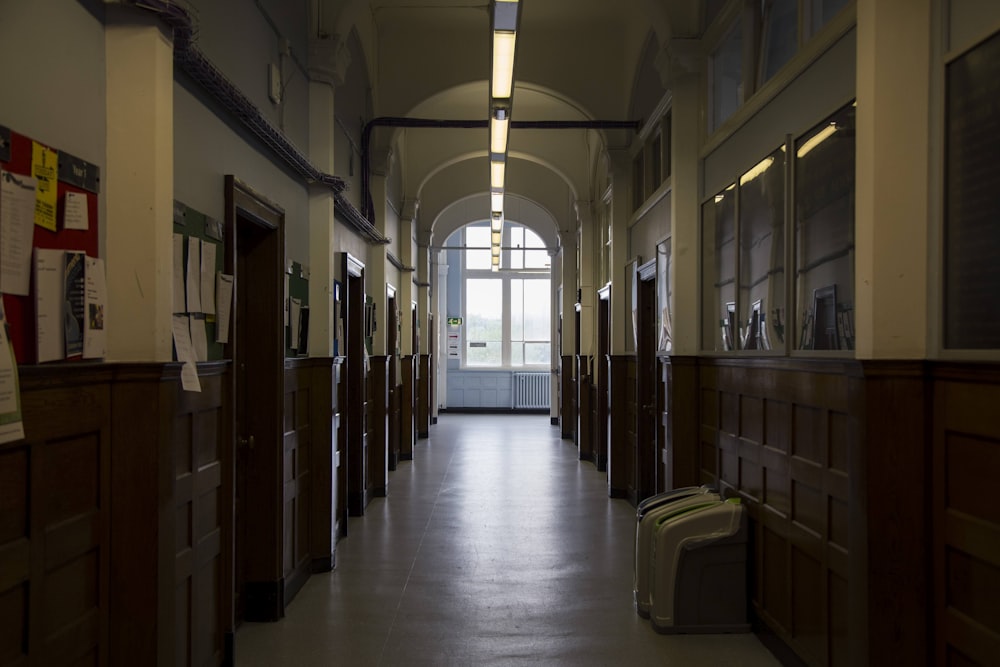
(618, 437)
(774, 432)
(408, 407)
(378, 432)
(966, 535)
(889, 583)
(585, 425)
(296, 561)
(681, 407)
(322, 466)
(424, 397)
(202, 446)
(567, 398)
(57, 544)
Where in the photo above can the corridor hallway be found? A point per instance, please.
(495, 546)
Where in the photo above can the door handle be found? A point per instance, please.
(246, 442)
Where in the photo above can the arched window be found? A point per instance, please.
(506, 313)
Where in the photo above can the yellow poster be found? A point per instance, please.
(44, 167)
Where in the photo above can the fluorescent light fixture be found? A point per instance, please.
(503, 63)
(498, 132)
(496, 238)
(756, 170)
(497, 170)
(495, 250)
(496, 222)
(816, 140)
(496, 202)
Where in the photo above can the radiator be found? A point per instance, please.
(531, 390)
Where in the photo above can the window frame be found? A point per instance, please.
(506, 275)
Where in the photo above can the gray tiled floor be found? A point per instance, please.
(495, 546)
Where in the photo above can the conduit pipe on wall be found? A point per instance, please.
(404, 122)
(208, 76)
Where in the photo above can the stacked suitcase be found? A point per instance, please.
(690, 562)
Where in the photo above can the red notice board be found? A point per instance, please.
(20, 310)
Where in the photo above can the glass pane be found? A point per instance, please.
(727, 77)
(719, 271)
(535, 259)
(517, 354)
(537, 310)
(823, 11)
(516, 309)
(762, 254)
(479, 353)
(478, 237)
(483, 321)
(972, 209)
(516, 241)
(824, 234)
(780, 35)
(665, 337)
(537, 354)
(655, 166)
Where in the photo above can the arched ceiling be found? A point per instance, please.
(576, 60)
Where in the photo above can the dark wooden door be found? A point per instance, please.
(646, 380)
(355, 391)
(256, 258)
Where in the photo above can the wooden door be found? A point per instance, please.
(392, 354)
(355, 394)
(646, 380)
(255, 255)
(602, 371)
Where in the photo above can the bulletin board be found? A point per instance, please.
(297, 345)
(74, 175)
(194, 224)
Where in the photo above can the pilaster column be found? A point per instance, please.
(375, 273)
(680, 71)
(407, 290)
(328, 61)
(139, 186)
(893, 171)
(565, 269)
(587, 241)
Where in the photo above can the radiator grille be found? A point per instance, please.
(531, 390)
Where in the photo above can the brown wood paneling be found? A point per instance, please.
(889, 583)
(619, 442)
(408, 407)
(378, 411)
(424, 397)
(296, 495)
(341, 457)
(966, 521)
(567, 398)
(55, 538)
(200, 571)
(681, 423)
(395, 391)
(322, 466)
(765, 432)
(584, 417)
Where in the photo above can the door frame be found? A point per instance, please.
(260, 596)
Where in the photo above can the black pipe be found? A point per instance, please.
(402, 121)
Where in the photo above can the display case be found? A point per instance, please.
(718, 232)
(824, 234)
(762, 254)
